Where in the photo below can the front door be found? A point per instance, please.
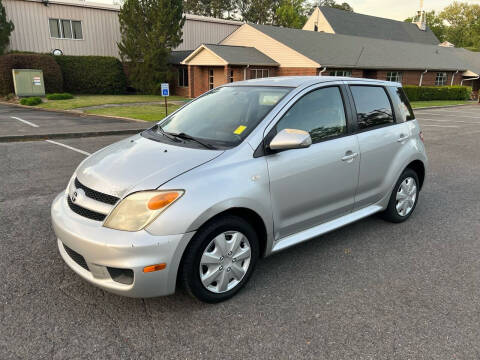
(313, 185)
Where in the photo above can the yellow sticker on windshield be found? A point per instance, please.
(239, 130)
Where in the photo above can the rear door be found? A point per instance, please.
(380, 138)
(313, 185)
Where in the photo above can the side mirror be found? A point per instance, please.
(291, 139)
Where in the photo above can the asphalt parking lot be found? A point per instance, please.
(371, 290)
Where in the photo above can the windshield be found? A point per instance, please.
(224, 116)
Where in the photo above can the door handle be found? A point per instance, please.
(349, 155)
(402, 138)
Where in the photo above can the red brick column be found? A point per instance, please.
(191, 81)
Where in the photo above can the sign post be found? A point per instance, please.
(165, 94)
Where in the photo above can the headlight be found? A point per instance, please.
(139, 209)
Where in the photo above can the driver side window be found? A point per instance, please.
(320, 112)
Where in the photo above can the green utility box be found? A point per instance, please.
(28, 82)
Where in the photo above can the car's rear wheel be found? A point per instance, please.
(220, 259)
(404, 197)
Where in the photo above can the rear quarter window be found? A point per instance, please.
(406, 111)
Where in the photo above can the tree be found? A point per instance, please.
(463, 24)
(214, 8)
(150, 30)
(435, 23)
(291, 14)
(331, 3)
(6, 28)
(257, 11)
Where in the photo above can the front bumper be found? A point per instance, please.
(103, 248)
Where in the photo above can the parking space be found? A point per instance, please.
(371, 290)
(19, 121)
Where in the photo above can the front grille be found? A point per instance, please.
(79, 259)
(92, 194)
(93, 215)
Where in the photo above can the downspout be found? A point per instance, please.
(245, 72)
(421, 77)
(453, 77)
(476, 78)
(322, 71)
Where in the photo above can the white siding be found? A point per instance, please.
(197, 32)
(100, 26)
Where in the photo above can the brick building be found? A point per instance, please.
(323, 47)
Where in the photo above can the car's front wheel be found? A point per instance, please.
(220, 259)
(404, 197)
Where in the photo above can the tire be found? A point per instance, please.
(213, 272)
(395, 212)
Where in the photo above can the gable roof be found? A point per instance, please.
(344, 51)
(471, 58)
(350, 23)
(177, 56)
(235, 55)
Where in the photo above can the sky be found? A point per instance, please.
(392, 9)
(398, 9)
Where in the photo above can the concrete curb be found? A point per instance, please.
(38, 137)
(442, 106)
(73, 112)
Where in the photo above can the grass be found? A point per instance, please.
(146, 112)
(420, 104)
(93, 100)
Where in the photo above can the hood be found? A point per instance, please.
(137, 163)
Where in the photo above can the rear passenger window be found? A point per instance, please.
(320, 112)
(373, 106)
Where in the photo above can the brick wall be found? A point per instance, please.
(291, 71)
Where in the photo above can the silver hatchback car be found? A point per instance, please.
(244, 171)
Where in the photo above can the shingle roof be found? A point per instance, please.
(176, 57)
(350, 23)
(344, 51)
(241, 55)
(472, 59)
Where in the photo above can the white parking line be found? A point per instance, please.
(442, 126)
(24, 121)
(68, 147)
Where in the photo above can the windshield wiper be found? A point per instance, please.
(167, 135)
(184, 136)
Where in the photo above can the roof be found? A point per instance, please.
(236, 55)
(472, 59)
(176, 57)
(241, 55)
(298, 81)
(344, 51)
(350, 23)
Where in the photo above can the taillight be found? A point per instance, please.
(421, 136)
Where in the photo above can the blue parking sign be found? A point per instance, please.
(165, 89)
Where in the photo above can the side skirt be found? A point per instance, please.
(315, 231)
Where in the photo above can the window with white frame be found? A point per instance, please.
(230, 76)
(259, 73)
(65, 29)
(394, 76)
(347, 73)
(441, 79)
(210, 79)
(183, 76)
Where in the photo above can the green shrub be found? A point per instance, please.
(61, 96)
(428, 93)
(51, 71)
(31, 101)
(92, 74)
